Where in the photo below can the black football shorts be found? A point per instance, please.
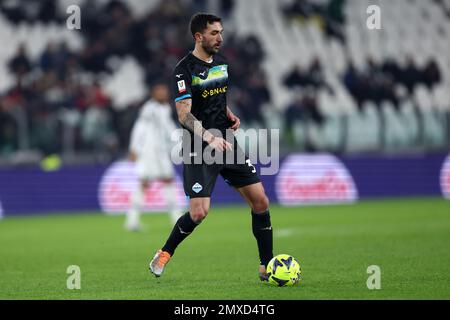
(199, 179)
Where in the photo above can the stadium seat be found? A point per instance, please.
(126, 84)
(394, 132)
(363, 130)
(329, 136)
(410, 121)
(423, 98)
(434, 129)
(273, 118)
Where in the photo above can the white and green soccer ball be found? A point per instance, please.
(284, 270)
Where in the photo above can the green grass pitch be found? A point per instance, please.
(408, 239)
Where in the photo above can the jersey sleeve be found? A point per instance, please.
(181, 83)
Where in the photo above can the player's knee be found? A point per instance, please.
(260, 204)
(198, 214)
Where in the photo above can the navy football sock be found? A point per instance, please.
(262, 230)
(184, 227)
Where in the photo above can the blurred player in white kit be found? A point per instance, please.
(150, 147)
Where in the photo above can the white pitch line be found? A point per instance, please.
(283, 233)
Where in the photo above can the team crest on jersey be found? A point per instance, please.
(197, 187)
(181, 86)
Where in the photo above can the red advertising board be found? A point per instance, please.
(314, 179)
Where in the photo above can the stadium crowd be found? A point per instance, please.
(329, 13)
(67, 110)
(376, 83)
(53, 90)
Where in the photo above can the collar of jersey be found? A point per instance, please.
(203, 61)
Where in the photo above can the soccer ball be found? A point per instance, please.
(284, 270)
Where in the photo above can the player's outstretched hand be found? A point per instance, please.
(220, 144)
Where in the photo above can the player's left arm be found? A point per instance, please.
(236, 121)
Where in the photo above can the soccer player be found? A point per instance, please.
(150, 147)
(200, 86)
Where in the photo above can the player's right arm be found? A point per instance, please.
(189, 121)
(183, 100)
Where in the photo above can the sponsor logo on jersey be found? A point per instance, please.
(197, 187)
(181, 86)
(445, 178)
(314, 179)
(213, 92)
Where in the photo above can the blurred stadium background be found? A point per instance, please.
(311, 69)
(362, 113)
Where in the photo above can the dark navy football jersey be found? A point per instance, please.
(206, 84)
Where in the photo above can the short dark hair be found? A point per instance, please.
(158, 82)
(200, 21)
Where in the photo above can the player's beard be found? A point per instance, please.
(209, 48)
